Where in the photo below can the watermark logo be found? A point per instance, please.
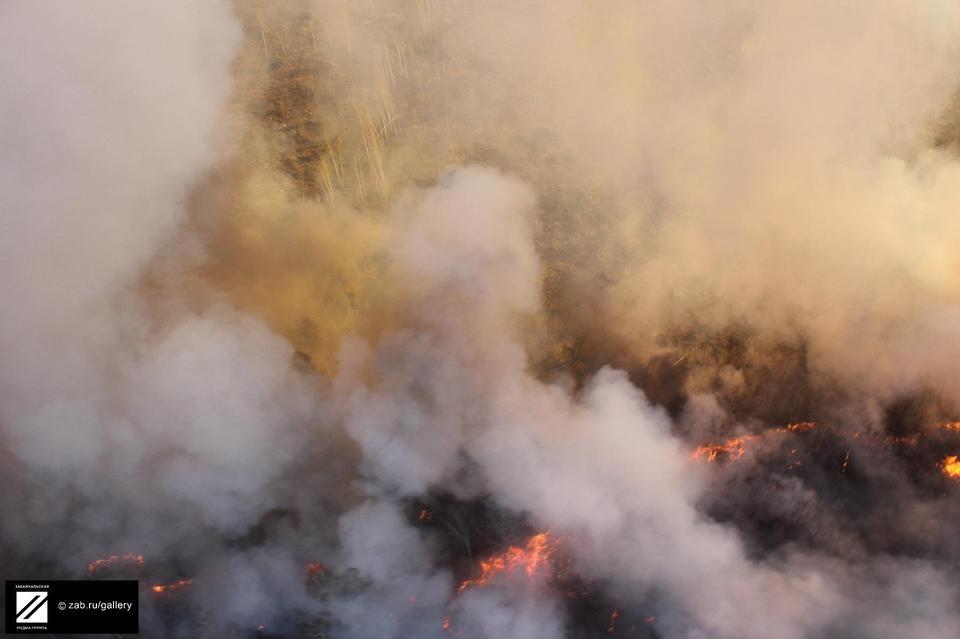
(66, 607)
(32, 606)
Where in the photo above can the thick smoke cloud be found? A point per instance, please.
(127, 427)
(602, 468)
(89, 189)
(743, 166)
(274, 276)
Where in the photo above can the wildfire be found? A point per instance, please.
(732, 448)
(180, 584)
(951, 466)
(113, 560)
(735, 448)
(529, 560)
(314, 568)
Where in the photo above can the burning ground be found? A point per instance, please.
(535, 320)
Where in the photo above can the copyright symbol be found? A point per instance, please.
(62, 605)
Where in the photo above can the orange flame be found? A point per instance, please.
(314, 568)
(732, 448)
(735, 448)
(172, 587)
(528, 560)
(112, 560)
(951, 466)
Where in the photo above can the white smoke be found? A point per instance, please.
(125, 428)
(601, 468)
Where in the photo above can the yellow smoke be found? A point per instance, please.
(703, 175)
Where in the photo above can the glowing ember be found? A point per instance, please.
(529, 560)
(314, 568)
(951, 466)
(180, 584)
(130, 559)
(425, 515)
(612, 626)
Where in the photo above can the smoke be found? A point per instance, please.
(739, 165)
(602, 468)
(283, 283)
(707, 172)
(124, 425)
(89, 190)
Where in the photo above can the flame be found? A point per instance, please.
(314, 568)
(528, 560)
(448, 627)
(735, 448)
(425, 515)
(612, 626)
(172, 587)
(128, 558)
(951, 466)
(732, 448)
